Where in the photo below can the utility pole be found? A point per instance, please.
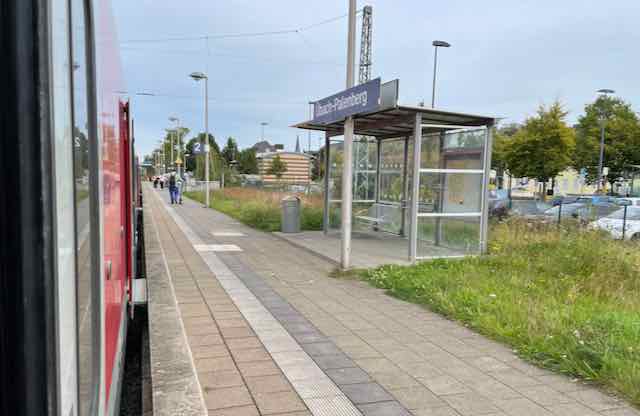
(364, 73)
(207, 150)
(361, 151)
(347, 171)
(603, 120)
(436, 44)
(309, 131)
(178, 142)
(199, 76)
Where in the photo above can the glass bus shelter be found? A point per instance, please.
(420, 181)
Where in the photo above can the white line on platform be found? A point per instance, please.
(216, 247)
(227, 234)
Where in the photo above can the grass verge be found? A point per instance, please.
(565, 300)
(261, 209)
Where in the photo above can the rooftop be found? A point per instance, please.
(399, 121)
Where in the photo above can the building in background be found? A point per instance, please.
(263, 147)
(298, 167)
(568, 182)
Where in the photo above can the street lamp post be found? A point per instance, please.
(436, 44)
(605, 92)
(178, 140)
(199, 76)
(162, 165)
(262, 124)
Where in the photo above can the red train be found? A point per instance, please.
(68, 209)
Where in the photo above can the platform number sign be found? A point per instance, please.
(198, 148)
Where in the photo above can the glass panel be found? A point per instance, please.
(453, 150)
(335, 215)
(365, 157)
(336, 157)
(450, 192)
(87, 349)
(391, 170)
(439, 237)
(64, 205)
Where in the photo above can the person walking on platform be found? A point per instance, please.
(179, 189)
(155, 182)
(173, 189)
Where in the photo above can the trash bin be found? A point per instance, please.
(290, 215)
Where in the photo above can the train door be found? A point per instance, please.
(86, 180)
(126, 192)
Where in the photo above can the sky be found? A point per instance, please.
(507, 58)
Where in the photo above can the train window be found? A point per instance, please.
(64, 206)
(87, 310)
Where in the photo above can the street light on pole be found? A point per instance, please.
(178, 139)
(262, 124)
(163, 165)
(199, 76)
(436, 44)
(605, 92)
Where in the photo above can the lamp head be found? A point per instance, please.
(198, 76)
(441, 44)
(606, 91)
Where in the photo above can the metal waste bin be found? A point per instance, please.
(291, 214)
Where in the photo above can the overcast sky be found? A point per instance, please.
(507, 58)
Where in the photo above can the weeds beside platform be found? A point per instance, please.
(261, 209)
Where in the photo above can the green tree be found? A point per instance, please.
(278, 167)
(543, 147)
(247, 162)
(502, 142)
(195, 162)
(230, 151)
(622, 138)
(317, 165)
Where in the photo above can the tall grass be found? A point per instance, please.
(564, 299)
(261, 209)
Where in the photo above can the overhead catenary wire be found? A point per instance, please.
(237, 35)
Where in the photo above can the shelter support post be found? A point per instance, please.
(327, 196)
(405, 188)
(484, 220)
(415, 188)
(378, 160)
(347, 194)
(347, 172)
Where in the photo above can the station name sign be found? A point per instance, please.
(362, 98)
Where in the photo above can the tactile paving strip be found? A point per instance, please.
(317, 390)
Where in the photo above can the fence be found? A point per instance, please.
(613, 216)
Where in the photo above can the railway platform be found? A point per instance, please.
(245, 323)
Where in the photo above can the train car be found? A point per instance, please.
(67, 209)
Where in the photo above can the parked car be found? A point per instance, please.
(596, 199)
(585, 209)
(612, 223)
(557, 200)
(575, 210)
(629, 201)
